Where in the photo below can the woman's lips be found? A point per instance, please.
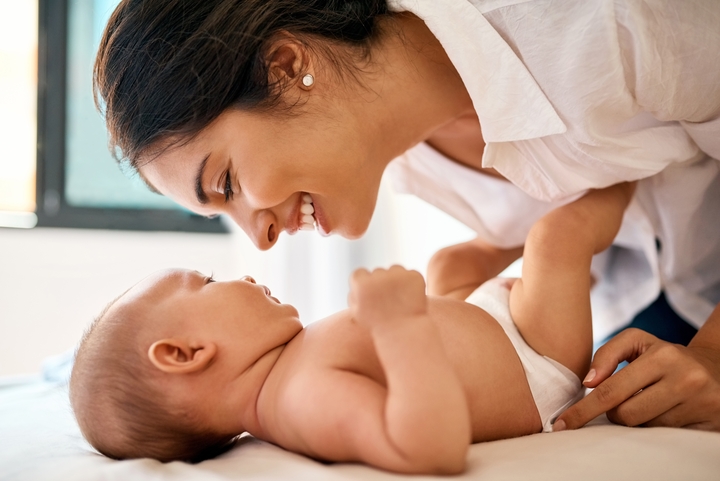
(294, 219)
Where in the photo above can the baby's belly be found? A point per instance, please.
(499, 398)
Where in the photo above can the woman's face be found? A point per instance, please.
(257, 168)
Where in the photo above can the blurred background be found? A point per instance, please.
(76, 231)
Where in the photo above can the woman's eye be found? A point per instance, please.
(228, 187)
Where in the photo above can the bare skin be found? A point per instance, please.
(455, 271)
(409, 82)
(680, 385)
(356, 386)
(665, 384)
(461, 140)
(401, 380)
(336, 145)
(360, 367)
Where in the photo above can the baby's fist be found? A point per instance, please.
(384, 295)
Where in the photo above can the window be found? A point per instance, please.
(18, 87)
(79, 184)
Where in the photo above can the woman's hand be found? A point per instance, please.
(664, 385)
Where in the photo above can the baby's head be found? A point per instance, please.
(172, 368)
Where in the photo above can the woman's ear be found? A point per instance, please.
(177, 356)
(288, 59)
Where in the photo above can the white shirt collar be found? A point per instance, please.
(508, 101)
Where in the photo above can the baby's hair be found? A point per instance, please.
(117, 401)
(165, 69)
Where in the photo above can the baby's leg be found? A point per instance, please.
(550, 304)
(457, 270)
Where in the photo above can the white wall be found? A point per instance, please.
(53, 282)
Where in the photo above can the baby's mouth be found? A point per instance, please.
(307, 221)
(269, 294)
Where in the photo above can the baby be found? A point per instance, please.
(179, 365)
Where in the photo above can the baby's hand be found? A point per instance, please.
(383, 295)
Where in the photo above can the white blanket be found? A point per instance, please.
(39, 440)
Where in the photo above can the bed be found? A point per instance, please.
(40, 441)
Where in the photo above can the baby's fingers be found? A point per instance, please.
(356, 278)
(358, 275)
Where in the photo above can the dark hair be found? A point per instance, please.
(168, 68)
(121, 409)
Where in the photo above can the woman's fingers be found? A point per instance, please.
(611, 391)
(664, 385)
(682, 415)
(626, 346)
(610, 394)
(703, 426)
(645, 406)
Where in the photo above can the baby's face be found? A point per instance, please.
(240, 316)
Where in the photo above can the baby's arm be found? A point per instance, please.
(457, 270)
(418, 420)
(426, 417)
(551, 303)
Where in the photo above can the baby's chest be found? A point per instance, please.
(346, 347)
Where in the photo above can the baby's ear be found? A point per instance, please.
(178, 356)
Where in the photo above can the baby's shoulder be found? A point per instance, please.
(335, 342)
(319, 391)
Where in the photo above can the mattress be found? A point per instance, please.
(39, 440)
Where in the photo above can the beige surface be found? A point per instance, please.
(40, 441)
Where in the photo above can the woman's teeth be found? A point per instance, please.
(307, 209)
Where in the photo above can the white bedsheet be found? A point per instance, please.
(39, 440)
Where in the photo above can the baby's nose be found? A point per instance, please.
(248, 279)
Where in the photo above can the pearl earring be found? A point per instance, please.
(308, 80)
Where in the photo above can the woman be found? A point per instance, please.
(284, 115)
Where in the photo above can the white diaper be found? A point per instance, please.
(554, 387)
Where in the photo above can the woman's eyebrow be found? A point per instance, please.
(199, 192)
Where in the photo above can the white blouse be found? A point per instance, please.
(502, 215)
(584, 94)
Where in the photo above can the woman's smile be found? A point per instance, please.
(302, 216)
(307, 215)
(272, 190)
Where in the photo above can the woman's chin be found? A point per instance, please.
(351, 232)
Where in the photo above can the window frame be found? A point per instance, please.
(52, 208)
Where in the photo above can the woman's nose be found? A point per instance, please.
(261, 227)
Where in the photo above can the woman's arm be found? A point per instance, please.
(456, 271)
(664, 385)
